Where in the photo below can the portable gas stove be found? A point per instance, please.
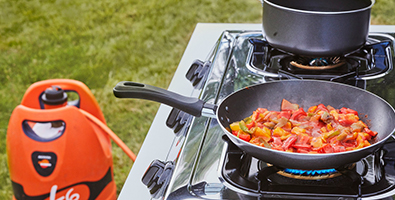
(185, 157)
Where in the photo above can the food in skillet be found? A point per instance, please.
(322, 129)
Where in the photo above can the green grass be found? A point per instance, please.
(103, 42)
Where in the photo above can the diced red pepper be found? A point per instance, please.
(242, 135)
(235, 133)
(303, 150)
(348, 111)
(285, 114)
(370, 132)
(250, 125)
(298, 114)
(256, 114)
(322, 108)
(289, 142)
(305, 146)
(294, 130)
(338, 148)
(348, 119)
(277, 141)
(261, 110)
(327, 148)
(303, 139)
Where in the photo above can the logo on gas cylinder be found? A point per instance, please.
(44, 162)
(68, 196)
(77, 192)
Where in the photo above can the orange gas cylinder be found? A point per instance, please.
(57, 151)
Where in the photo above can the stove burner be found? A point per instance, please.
(318, 63)
(309, 172)
(371, 61)
(312, 174)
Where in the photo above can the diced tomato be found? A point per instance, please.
(303, 139)
(338, 148)
(321, 107)
(327, 148)
(298, 114)
(277, 141)
(288, 106)
(351, 143)
(315, 118)
(255, 115)
(271, 116)
(261, 110)
(285, 114)
(259, 124)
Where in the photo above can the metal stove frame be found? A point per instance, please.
(161, 143)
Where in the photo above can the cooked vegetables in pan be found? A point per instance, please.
(322, 129)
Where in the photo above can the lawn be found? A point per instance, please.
(103, 42)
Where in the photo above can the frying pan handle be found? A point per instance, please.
(193, 106)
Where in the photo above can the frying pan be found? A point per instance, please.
(373, 110)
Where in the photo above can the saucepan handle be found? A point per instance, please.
(193, 106)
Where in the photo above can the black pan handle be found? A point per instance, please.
(193, 106)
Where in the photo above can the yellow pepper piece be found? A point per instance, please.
(342, 136)
(279, 132)
(284, 137)
(330, 134)
(312, 109)
(264, 133)
(288, 126)
(298, 131)
(316, 142)
(334, 114)
(235, 126)
(329, 127)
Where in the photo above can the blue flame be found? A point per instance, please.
(310, 172)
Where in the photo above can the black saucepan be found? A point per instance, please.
(316, 27)
(373, 110)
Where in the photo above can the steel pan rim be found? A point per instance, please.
(372, 2)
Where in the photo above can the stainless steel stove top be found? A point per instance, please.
(196, 151)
